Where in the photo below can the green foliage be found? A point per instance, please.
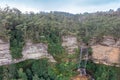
(65, 70)
(115, 31)
(16, 43)
(5, 74)
(1, 71)
(86, 39)
(21, 75)
(35, 77)
(29, 74)
(48, 28)
(90, 51)
(40, 68)
(35, 69)
(12, 71)
(103, 72)
(54, 42)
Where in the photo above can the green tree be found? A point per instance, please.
(35, 77)
(40, 68)
(29, 74)
(5, 74)
(22, 75)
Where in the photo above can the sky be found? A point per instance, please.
(71, 6)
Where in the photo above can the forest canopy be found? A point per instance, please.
(48, 27)
(35, 25)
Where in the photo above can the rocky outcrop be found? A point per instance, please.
(108, 41)
(118, 43)
(36, 51)
(70, 44)
(106, 55)
(5, 57)
(107, 51)
(30, 51)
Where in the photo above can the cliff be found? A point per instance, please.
(30, 51)
(5, 57)
(70, 44)
(107, 51)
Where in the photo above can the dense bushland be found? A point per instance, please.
(48, 28)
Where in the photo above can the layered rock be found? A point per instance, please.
(5, 57)
(108, 41)
(70, 44)
(30, 51)
(106, 55)
(107, 51)
(36, 51)
(118, 43)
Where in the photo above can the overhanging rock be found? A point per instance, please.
(36, 51)
(30, 51)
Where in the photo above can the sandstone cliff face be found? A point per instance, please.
(36, 51)
(107, 52)
(70, 44)
(110, 41)
(5, 57)
(30, 51)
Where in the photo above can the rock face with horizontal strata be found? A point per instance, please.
(107, 52)
(30, 51)
(5, 57)
(36, 51)
(70, 44)
(108, 41)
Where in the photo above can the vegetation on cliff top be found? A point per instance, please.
(48, 28)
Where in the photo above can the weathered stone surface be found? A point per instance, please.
(118, 43)
(5, 57)
(92, 41)
(30, 51)
(70, 44)
(106, 55)
(36, 51)
(108, 41)
(107, 51)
